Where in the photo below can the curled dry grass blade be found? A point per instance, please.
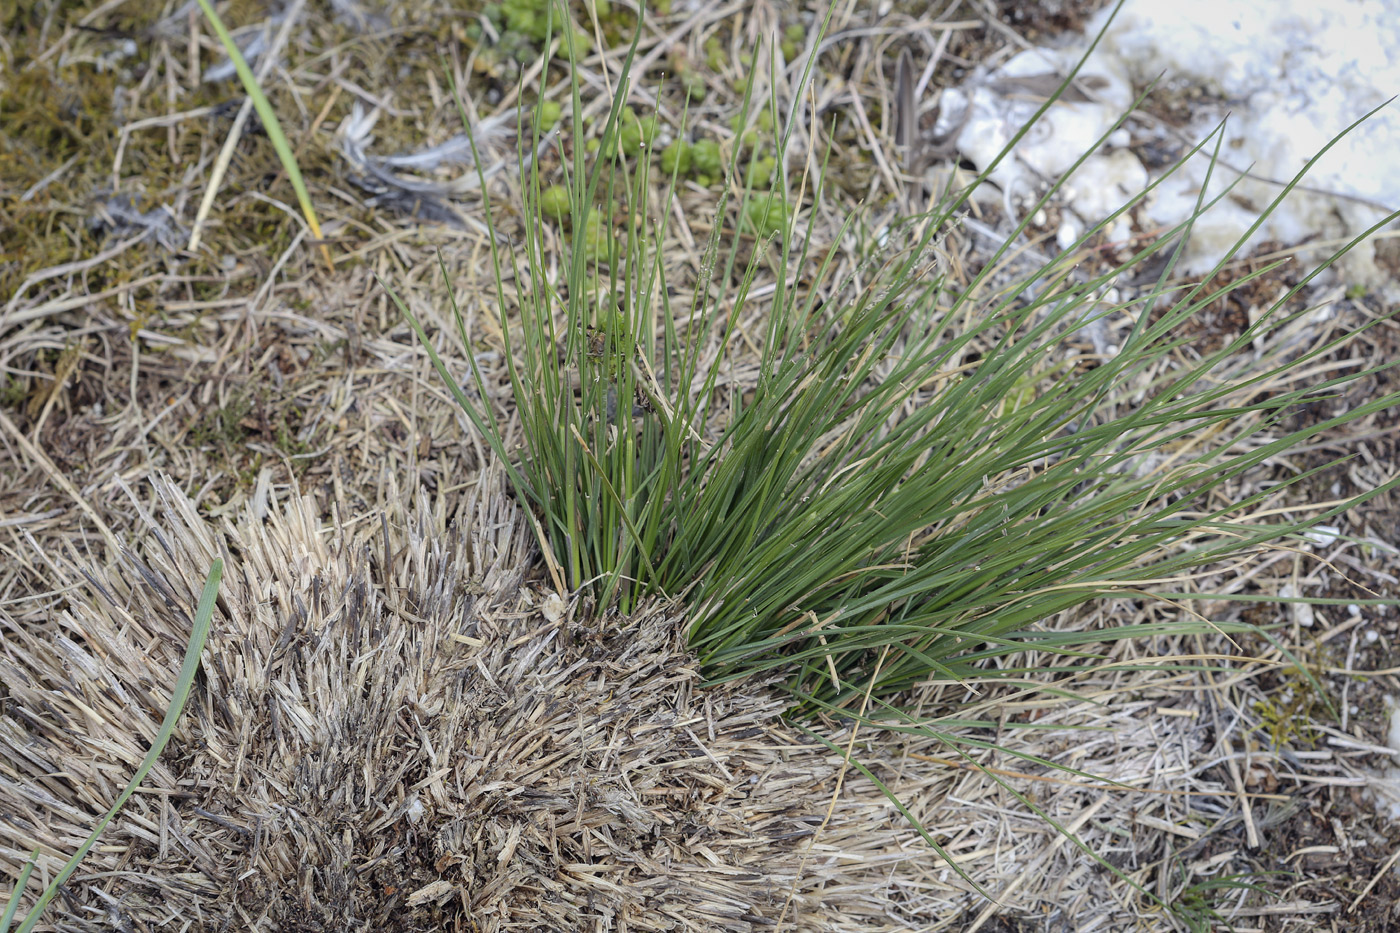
(199, 631)
(875, 491)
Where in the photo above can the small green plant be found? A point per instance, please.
(1197, 907)
(523, 25)
(554, 202)
(224, 428)
(548, 113)
(793, 37)
(706, 161)
(767, 216)
(13, 392)
(1286, 715)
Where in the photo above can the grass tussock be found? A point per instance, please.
(914, 472)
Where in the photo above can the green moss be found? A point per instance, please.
(13, 392)
(695, 84)
(554, 202)
(287, 439)
(223, 431)
(676, 158)
(596, 237)
(760, 172)
(793, 38)
(714, 54)
(547, 114)
(705, 158)
(637, 133)
(1288, 714)
(766, 216)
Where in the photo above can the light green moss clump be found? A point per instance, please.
(548, 114)
(554, 202)
(637, 133)
(676, 158)
(793, 38)
(596, 237)
(767, 216)
(705, 161)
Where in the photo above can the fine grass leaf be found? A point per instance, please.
(270, 123)
(199, 632)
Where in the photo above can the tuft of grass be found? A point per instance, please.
(918, 470)
(916, 475)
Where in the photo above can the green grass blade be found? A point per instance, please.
(270, 123)
(203, 618)
(10, 908)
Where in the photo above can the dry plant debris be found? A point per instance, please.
(395, 731)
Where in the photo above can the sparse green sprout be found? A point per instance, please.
(554, 202)
(705, 161)
(766, 216)
(676, 158)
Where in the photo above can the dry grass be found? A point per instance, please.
(310, 442)
(399, 730)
